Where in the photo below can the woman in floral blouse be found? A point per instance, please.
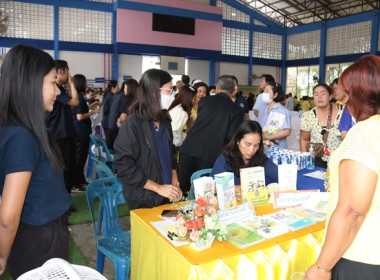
(314, 124)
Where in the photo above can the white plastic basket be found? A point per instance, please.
(57, 268)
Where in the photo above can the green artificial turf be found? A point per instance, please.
(82, 213)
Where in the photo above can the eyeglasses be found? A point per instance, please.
(168, 89)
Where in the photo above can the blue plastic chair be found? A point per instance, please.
(113, 243)
(196, 175)
(103, 171)
(105, 155)
(92, 156)
(98, 150)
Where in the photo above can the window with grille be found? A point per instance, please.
(230, 13)
(29, 21)
(77, 25)
(267, 45)
(235, 41)
(303, 45)
(348, 39)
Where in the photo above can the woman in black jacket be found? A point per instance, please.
(145, 161)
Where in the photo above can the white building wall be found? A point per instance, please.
(239, 70)
(259, 70)
(130, 65)
(198, 69)
(90, 64)
(94, 65)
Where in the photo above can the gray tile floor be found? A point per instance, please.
(83, 236)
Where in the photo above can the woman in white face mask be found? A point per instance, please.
(167, 96)
(274, 118)
(145, 155)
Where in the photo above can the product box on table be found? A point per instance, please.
(253, 187)
(225, 189)
(204, 187)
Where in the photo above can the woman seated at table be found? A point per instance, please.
(319, 127)
(145, 162)
(246, 149)
(351, 248)
(274, 118)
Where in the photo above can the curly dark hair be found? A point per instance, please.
(232, 153)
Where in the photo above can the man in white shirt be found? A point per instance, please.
(265, 79)
(290, 102)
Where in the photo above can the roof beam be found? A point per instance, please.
(305, 8)
(371, 4)
(327, 8)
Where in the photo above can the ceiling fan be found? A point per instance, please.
(4, 20)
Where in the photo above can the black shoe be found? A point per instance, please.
(78, 189)
(72, 209)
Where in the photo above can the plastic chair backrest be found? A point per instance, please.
(93, 154)
(93, 150)
(109, 192)
(103, 170)
(196, 175)
(105, 154)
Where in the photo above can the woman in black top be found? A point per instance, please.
(145, 161)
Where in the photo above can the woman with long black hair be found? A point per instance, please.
(246, 149)
(33, 224)
(145, 161)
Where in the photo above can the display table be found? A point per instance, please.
(307, 183)
(154, 257)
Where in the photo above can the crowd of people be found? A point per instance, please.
(161, 134)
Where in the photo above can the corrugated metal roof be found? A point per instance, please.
(291, 13)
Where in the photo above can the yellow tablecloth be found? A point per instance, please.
(154, 257)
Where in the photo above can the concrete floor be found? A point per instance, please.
(83, 236)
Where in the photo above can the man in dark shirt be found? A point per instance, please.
(217, 120)
(60, 121)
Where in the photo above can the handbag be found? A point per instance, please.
(321, 149)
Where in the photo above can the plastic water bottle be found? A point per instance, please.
(311, 159)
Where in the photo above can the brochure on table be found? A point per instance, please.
(318, 201)
(285, 199)
(287, 177)
(243, 237)
(241, 212)
(169, 230)
(318, 174)
(266, 227)
(293, 221)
